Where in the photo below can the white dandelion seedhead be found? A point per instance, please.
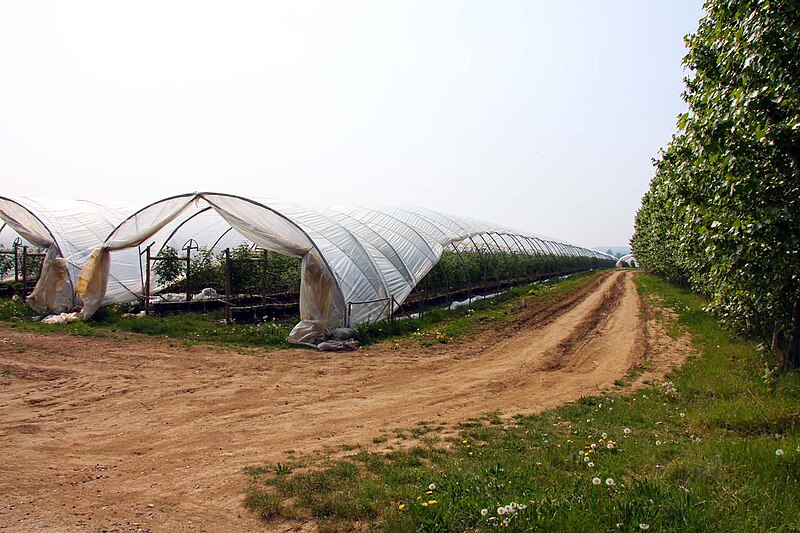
(610, 445)
(658, 443)
(596, 480)
(586, 459)
(484, 512)
(779, 452)
(604, 435)
(432, 486)
(610, 482)
(501, 511)
(590, 464)
(644, 527)
(627, 431)
(594, 446)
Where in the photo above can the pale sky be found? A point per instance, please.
(542, 116)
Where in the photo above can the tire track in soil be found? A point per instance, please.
(135, 434)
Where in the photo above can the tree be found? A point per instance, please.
(723, 211)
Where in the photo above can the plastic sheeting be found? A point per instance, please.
(69, 230)
(358, 262)
(627, 261)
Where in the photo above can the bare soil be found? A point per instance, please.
(140, 434)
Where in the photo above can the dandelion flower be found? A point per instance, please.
(604, 435)
(658, 443)
(596, 480)
(424, 504)
(509, 509)
(683, 414)
(402, 506)
(779, 452)
(609, 482)
(586, 459)
(594, 446)
(501, 511)
(432, 486)
(590, 464)
(432, 502)
(484, 512)
(644, 527)
(627, 431)
(610, 445)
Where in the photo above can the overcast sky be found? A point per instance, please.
(543, 116)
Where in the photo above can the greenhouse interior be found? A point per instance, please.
(337, 266)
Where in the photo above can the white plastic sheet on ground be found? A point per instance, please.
(357, 262)
(69, 230)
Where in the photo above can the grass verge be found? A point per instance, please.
(713, 448)
(437, 326)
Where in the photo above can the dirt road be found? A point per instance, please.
(134, 434)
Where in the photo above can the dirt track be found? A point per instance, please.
(133, 434)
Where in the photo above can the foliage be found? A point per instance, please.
(169, 269)
(247, 271)
(723, 210)
(460, 271)
(712, 449)
(6, 262)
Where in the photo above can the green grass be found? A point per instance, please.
(189, 327)
(440, 326)
(437, 326)
(699, 454)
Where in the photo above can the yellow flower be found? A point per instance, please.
(424, 504)
(402, 506)
(432, 502)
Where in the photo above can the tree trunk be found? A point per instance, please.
(777, 338)
(793, 352)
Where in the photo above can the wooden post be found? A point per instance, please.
(147, 281)
(24, 270)
(16, 261)
(188, 272)
(264, 286)
(228, 318)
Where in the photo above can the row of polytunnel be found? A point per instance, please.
(353, 259)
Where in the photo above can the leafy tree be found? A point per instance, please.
(171, 268)
(723, 211)
(6, 262)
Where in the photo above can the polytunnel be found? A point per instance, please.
(628, 260)
(358, 263)
(68, 230)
